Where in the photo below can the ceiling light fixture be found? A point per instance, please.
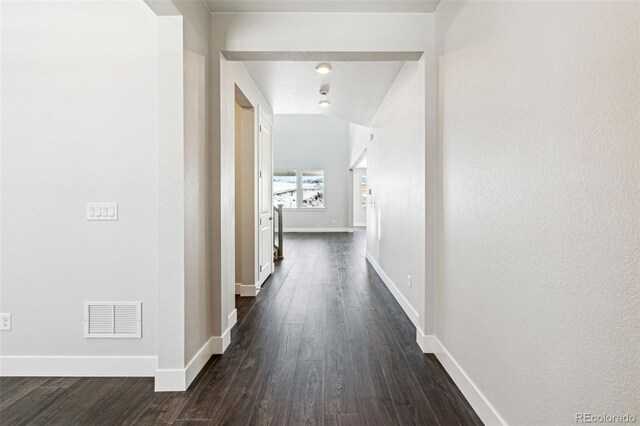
(323, 68)
(324, 103)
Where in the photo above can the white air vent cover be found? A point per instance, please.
(113, 319)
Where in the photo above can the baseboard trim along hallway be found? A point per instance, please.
(306, 230)
(78, 366)
(481, 405)
(325, 343)
(250, 290)
(406, 306)
(169, 380)
(429, 343)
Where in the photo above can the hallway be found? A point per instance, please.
(324, 342)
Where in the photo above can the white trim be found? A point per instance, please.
(360, 224)
(198, 362)
(172, 380)
(237, 288)
(318, 230)
(404, 303)
(233, 318)
(78, 366)
(221, 343)
(479, 402)
(249, 290)
(428, 342)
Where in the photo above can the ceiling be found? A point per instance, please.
(315, 6)
(356, 89)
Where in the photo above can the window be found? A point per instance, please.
(313, 189)
(285, 188)
(363, 190)
(306, 192)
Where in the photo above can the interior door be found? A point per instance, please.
(265, 201)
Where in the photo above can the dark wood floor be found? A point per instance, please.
(324, 343)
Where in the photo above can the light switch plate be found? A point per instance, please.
(102, 211)
(5, 322)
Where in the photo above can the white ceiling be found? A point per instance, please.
(364, 6)
(356, 88)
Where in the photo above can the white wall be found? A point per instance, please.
(104, 101)
(359, 211)
(198, 289)
(396, 173)
(79, 124)
(540, 290)
(358, 141)
(315, 142)
(322, 32)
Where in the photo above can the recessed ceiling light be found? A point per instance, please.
(323, 68)
(324, 103)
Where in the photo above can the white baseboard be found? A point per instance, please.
(233, 318)
(78, 366)
(318, 230)
(170, 380)
(478, 401)
(177, 380)
(221, 343)
(251, 290)
(427, 342)
(404, 303)
(238, 287)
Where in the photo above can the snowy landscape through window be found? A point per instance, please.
(313, 189)
(287, 187)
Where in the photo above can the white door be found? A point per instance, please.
(265, 202)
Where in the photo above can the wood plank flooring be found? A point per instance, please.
(324, 343)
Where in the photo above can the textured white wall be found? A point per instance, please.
(79, 124)
(323, 32)
(198, 291)
(358, 141)
(540, 291)
(315, 142)
(396, 172)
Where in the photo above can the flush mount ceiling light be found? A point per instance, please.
(324, 103)
(323, 68)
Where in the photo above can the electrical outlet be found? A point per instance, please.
(409, 281)
(5, 322)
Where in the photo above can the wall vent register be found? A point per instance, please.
(113, 320)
